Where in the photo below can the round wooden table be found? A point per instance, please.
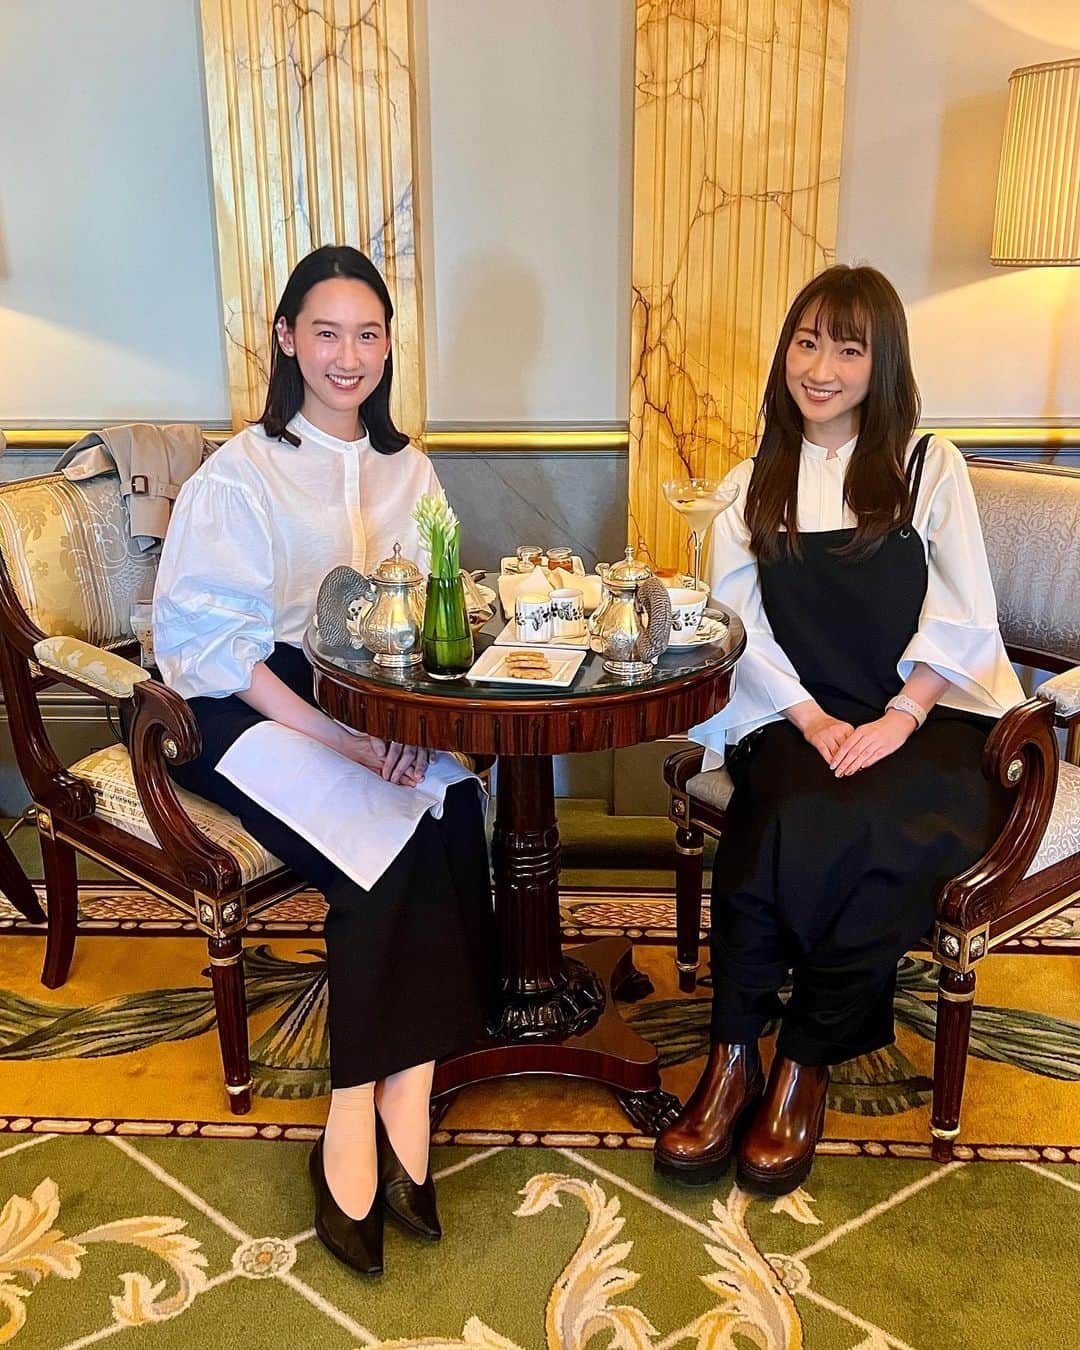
(557, 1012)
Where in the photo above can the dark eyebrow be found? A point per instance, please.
(814, 332)
(333, 323)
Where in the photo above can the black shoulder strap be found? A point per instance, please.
(914, 475)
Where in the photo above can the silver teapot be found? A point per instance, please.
(632, 624)
(390, 628)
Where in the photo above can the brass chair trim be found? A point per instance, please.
(227, 960)
(690, 852)
(999, 938)
(950, 997)
(939, 1132)
(235, 1089)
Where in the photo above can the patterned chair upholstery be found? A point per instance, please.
(1031, 522)
(69, 574)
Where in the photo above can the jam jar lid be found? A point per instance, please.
(397, 569)
(629, 570)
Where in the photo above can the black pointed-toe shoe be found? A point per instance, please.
(412, 1205)
(356, 1242)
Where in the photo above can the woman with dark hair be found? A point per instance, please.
(325, 478)
(873, 673)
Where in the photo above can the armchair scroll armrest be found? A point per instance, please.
(94, 669)
(1064, 691)
(682, 765)
(1022, 755)
(164, 728)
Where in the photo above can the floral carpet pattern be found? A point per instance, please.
(180, 1243)
(135, 1210)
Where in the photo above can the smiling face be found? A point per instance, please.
(828, 377)
(341, 341)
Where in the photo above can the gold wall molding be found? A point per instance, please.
(486, 439)
(738, 121)
(312, 128)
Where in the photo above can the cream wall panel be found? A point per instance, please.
(526, 151)
(109, 302)
(926, 102)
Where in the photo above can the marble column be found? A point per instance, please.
(737, 135)
(311, 113)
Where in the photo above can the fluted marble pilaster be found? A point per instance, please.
(311, 114)
(737, 135)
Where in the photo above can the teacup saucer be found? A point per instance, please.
(709, 630)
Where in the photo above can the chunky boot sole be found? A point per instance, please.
(781, 1181)
(704, 1171)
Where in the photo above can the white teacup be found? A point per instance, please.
(532, 618)
(687, 608)
(567, 612)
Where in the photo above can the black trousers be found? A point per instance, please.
(410, 962)
(835, 879)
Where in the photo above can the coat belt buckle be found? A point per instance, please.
(140, 485)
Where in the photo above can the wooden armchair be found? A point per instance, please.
(69, 574)
(1031, 522)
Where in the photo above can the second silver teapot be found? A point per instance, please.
(632, 625)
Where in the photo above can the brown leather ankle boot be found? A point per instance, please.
(697, 1147)
(777, 1151)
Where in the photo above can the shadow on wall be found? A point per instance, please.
(494, 293)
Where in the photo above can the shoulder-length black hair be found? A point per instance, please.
(852, 304)
(285, 391)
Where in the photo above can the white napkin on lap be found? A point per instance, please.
(357, 819)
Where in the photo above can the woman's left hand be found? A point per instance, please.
(871, 742)
(406, 764)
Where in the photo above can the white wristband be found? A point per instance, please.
(908, 705)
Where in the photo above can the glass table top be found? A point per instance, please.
(591, 679)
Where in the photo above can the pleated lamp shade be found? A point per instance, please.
(1037, 214)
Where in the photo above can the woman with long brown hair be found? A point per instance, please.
(873, 673)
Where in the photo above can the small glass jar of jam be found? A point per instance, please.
(562, 558)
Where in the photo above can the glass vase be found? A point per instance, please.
(446, 641)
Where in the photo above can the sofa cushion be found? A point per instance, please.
(108, 772)
(714, 788)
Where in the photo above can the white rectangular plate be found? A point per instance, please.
(492, 666)
(508, 638)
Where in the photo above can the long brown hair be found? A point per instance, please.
(847, 301)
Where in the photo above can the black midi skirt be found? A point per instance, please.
(410, 962)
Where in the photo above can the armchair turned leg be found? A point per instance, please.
(62, 897)
(16, 888)
(230, 1005)
(956, 994)
(689, 867)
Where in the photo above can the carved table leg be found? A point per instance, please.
(544, 994)
(558, 1011)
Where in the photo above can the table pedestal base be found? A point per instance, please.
(608, 1051)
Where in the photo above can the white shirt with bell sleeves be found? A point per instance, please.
(252, 535)
(957, 633)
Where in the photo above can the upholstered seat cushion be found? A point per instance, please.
(713, 788)
(108, 772)
(1061, 840)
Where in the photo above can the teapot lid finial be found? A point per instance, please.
(630, 569)
(397, 568)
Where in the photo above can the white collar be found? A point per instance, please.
(843, 452)
(309, 432)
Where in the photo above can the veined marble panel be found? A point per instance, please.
(311, 113)
(737, 135)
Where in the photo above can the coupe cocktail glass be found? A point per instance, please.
(699, 501)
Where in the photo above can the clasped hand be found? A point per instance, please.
(847, 749)
(396, 763)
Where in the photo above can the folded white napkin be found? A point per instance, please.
(357, 819)
(529, 583)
